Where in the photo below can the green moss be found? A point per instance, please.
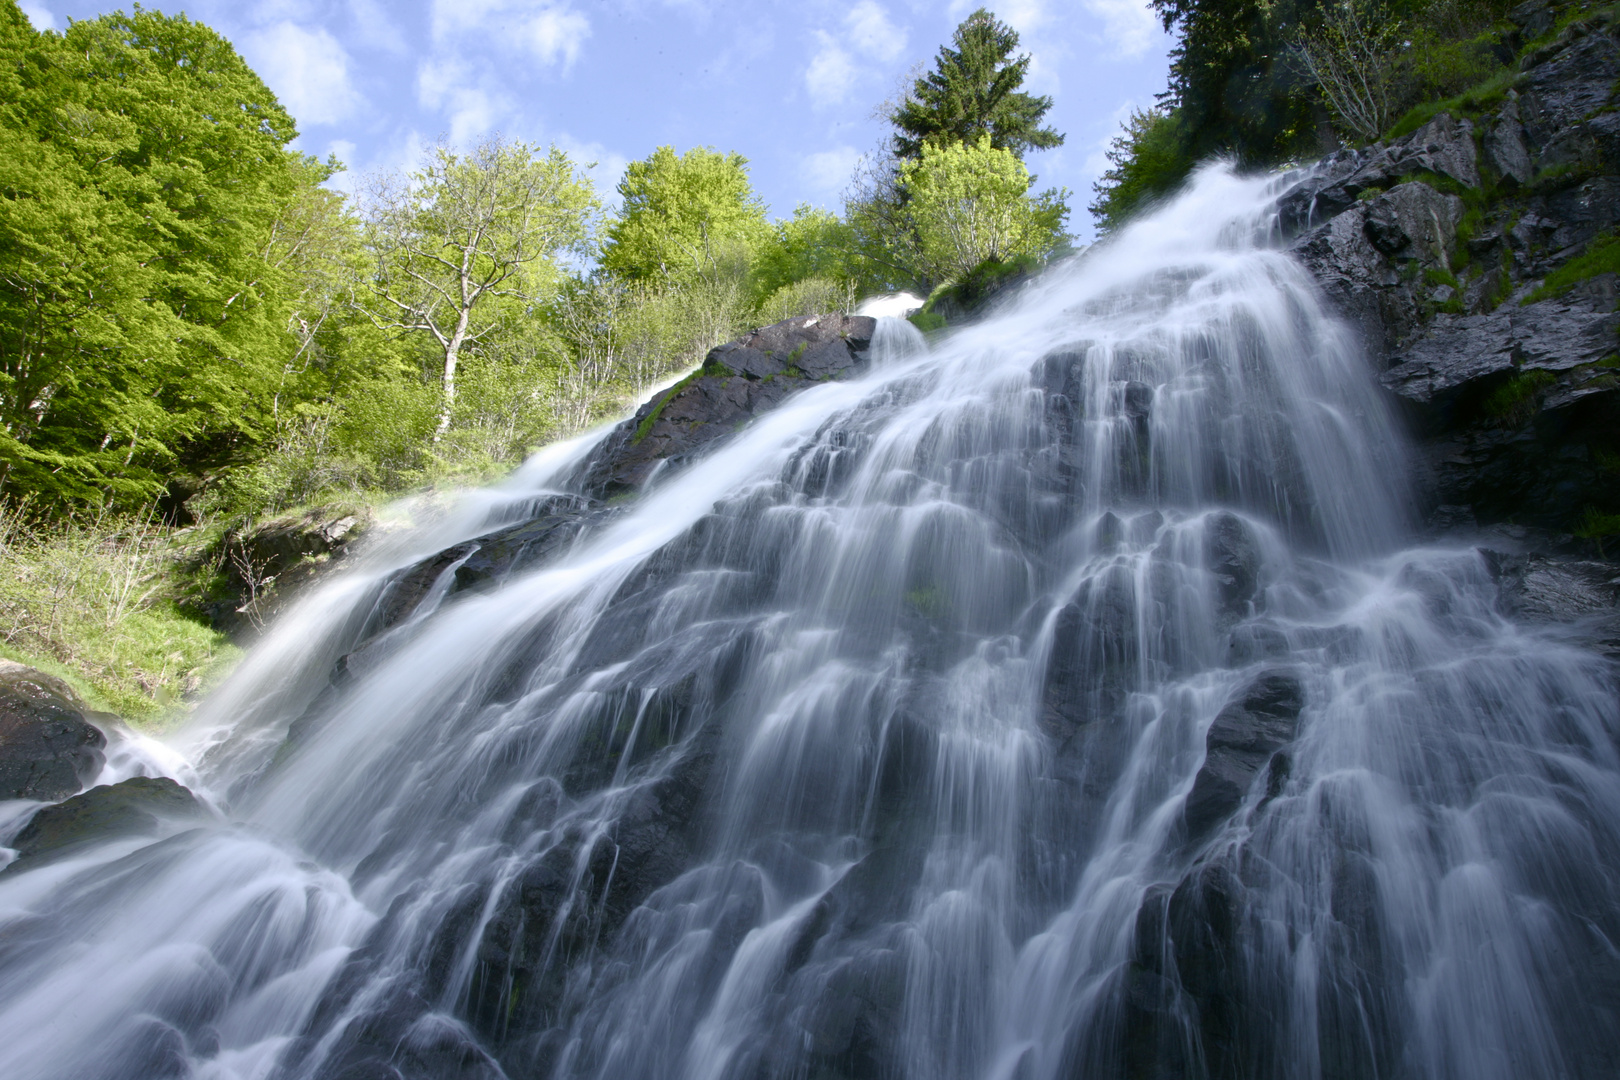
(929, 601)
(1437, 276)
(1602, 256)
(1474, 101)
(1513, 399)
(927, 321)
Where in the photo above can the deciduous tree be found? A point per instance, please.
(470, 236)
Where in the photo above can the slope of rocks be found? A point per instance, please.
(1436, 247)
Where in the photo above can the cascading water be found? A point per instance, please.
(1055, 703)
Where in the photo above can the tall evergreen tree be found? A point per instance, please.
(974, 91)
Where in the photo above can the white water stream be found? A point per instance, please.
(861, 747)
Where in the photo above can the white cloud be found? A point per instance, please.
(445, 85)
(38, 15)
(553, 32)
(1129, 26)
(308, 70)
(830, 73)
(375, 27)
(872, 31)
(828, 172)
(558, 34)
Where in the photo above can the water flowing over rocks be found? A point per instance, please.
(1066, 700)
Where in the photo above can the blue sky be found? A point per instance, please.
(791, 86)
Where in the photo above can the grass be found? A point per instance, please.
(90, 600)
(1472, 102)
(1602, 256)
(1512, 400)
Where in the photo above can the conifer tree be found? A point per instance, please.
(974, 91)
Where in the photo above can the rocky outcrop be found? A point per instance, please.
(135, 807)
(738, 381)
(1248, 735)
(261, 566)
(48, 750)
(1435, 246)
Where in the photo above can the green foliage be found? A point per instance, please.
(971, 205)
(1473, 102)
(683, 215)
(1234, 85)
(812, 245)
(973, 93)
(469, 246)
(142, 327)
(86, 596)
(1147, 161)
(1602, 256)
(1513, 401)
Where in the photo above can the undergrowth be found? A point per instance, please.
(90, 600)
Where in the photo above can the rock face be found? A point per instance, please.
(48, 750)
(1515, 392)
(1248, 734)
(738, 381)
(134, 807)
(264, 565)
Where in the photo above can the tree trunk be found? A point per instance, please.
(452, 354)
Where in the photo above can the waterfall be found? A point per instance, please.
(1065, 699)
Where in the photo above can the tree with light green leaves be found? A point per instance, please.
(971, 205)
(471, 242)
(684, 216)
(142, 325)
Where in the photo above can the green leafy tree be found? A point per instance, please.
(1146, 160)
(684, 216)
(971, 205)
(973, 91)
(812, 245)
(469, 241)
(142, 165)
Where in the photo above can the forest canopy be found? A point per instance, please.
(192, 318)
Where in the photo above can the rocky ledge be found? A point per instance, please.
(738, 381)
(1468, 255)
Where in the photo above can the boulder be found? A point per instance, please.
(1247, 735)
(738, 381)
(135, 807)
(48, 750)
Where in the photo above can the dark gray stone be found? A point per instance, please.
(48, 750)
(1459, 350)
(134, 807)
(1259, 721)
(1505, 146)
(740, 380)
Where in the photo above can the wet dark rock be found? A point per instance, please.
(265, 565)
(48, 750)
(1517, 405)
(1260, 721)
(1233, 560)
(1458, 352)
(1581, 594)
(1443, 146)
(1364, 258)
(135, 807)
(738, 381)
